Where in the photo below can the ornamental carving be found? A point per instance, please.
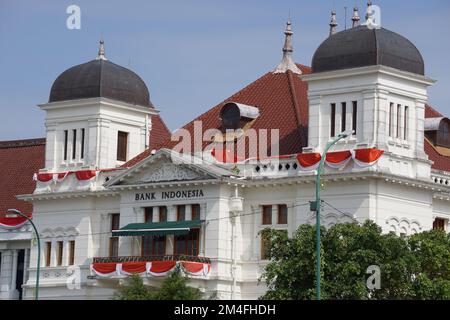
(170, 172)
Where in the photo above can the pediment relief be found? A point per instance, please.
(166, 171)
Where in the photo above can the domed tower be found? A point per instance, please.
(370, 80)
(98, 116)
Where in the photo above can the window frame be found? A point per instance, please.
(267, 215)
(122, 146)
(333, 121)
(286, 214)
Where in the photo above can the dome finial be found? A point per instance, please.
(333, 23)
(355, 17)
(369, 12)
(287, 63)
(101, 50)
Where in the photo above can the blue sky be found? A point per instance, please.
(191, 54)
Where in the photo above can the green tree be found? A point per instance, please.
(174, 287)
(133, 289)
(411, 268)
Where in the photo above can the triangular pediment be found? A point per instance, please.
(167, 171)
(165, 166)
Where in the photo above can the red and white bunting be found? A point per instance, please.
(308, 161)
(338, 160)
(150, 268)
(12, 223)
(48, 178)
(366, 157)
(363, 158)
(106, 270)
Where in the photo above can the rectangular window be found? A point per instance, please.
(282, 214)
(391, 120)
(187, 244)
(122, 145)
(195, 211)
(66, 139)
(267, 215)
(153, 245)
(343, 116)
(59, 253)
(439, 224)
(74, 143)
(48, 253)
(333, 120)
(355, 117)
(114, 241)
(162, 214)
(405, 124)
(181, 212)
(399, 116)
(82, 143)
(71, 252)
(148, 212)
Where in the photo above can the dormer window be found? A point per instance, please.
(236, 115)
(437, 130)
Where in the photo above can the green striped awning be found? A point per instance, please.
(157, 228)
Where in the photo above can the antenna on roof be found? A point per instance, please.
(345, 18)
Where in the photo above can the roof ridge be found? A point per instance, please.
(22, 143)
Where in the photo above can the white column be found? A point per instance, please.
(171, 213)
(188, 214)
(5, 276)
(156, 214)
(51, 147)
(420, 128)
(14, 270)
(274, 214)
(369, 112)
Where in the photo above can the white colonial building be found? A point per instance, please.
(117, 196)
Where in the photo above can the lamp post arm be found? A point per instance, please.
(39, 248)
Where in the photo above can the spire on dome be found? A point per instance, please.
(355, 17)
(369, 12)
(287, 63)
(101, 51)
(333, 23)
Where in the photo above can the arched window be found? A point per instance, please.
(444, 134)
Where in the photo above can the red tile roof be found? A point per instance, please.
(441, 162)
(19, 160)
(282, 101)
(159, 133)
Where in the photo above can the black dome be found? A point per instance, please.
(361, 47)
(100, 78)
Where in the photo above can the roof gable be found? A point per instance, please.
(282, 101)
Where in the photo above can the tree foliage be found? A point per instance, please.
(174, 287)
(417, 267)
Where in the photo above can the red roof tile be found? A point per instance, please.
(19, 160)
(159, 133)
(282, 101)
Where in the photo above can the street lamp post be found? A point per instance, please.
(318, 203)
(17, 212)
